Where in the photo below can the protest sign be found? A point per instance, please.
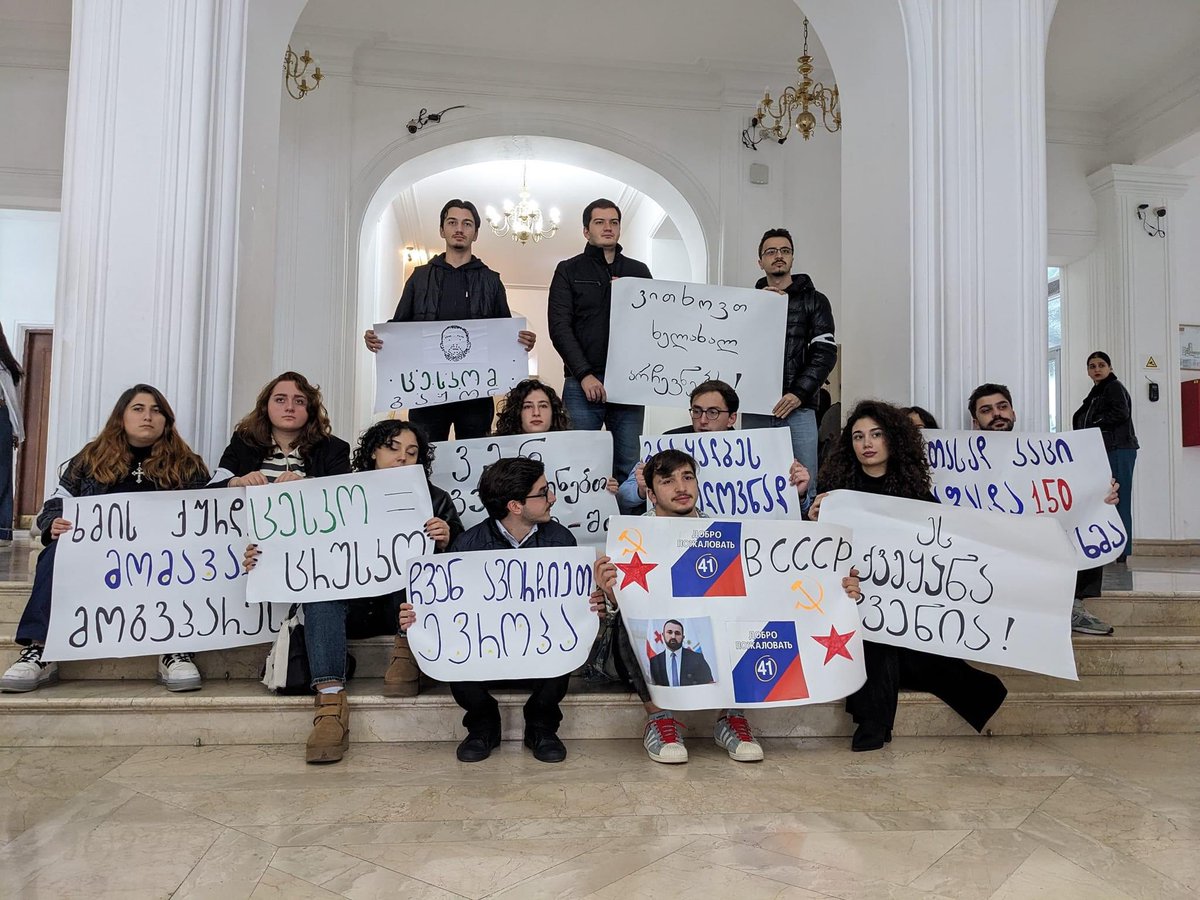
(431, 363)
(669, 336)
(577, 463)
(1063, 476)
(341, 537)
(735, 613)
(741, 473)
(502, 614)
(959, 583)
(154, 573)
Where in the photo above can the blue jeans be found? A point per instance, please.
(1121, 462)
(325, 634)
(623, 421)
(803, 424)
(6, 475)
(35, 619)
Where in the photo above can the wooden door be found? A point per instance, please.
(35, 402)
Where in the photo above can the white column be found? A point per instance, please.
(1130, 318)
(147, 268)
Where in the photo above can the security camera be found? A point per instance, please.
(1161, 212)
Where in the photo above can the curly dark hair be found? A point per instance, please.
(907, 466)
(509, 419)
(383, 432)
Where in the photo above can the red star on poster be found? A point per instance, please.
(635, 572)
(834, 644)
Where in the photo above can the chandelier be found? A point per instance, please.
(773, 118)
(295, 73)
(523, 220)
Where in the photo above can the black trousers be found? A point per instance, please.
(972, 693)
(470, 418)
(542, 709)
(1089, 583)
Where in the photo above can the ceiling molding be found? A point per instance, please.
(1073, 126)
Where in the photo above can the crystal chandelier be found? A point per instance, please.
(524, 220)
(803, 95)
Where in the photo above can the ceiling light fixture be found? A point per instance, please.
(778, 113)
(523, 220)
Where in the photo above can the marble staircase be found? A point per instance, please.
(1143, 679)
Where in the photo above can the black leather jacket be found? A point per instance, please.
(422, 296)
(810, 352)
(1109, 408)
(579, 304)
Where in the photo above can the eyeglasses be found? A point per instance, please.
(543, 494)
(711, 413)
(777, 251)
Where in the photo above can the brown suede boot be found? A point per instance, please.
(402, 676)
(330, 737)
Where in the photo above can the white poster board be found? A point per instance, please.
(341, 537)
(756, 610)
(740, 473)
(153, 573)
(668, 336)
(961, 583)
(1063, 476)
(577, 467)
(431, 363)
(502, 614)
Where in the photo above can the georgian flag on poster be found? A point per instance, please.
(726, 613)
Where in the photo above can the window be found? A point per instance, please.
(1054, 340)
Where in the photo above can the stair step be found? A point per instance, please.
(128, 713)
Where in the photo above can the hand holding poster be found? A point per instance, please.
(1064, 476)
(342, 537)
(725, 613)
(431, 363)
(959, 583)
(502, 614)
(577, 466)
(669, 336)
(154, 573)
(741, 473)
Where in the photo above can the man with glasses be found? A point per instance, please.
(518, 499)
(809, 354)
(713, 407)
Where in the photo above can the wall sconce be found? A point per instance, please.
(414, 256)
(1145, 214)
(295, 73)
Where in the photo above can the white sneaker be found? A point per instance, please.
(663, 741)
(177, 672)
(29, 673)
(733, 734)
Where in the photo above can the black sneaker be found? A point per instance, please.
(477, 746)
(545, 745)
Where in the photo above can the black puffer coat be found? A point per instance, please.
(810, 352)
(1109, 408)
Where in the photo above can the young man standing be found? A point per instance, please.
(578, 310)
(809, 354)
(455, 284)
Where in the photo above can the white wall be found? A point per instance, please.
(28, 271)
(33, 107)
(1183, 221)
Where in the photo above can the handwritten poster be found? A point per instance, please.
(346, 536)
(669, 336)
(153, 573)
(738, 613)
(577, 467)
(957, 583)
(431, 363)
(502, 614)
(1062, 476)
(741, 473)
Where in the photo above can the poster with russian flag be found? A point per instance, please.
(725, 612)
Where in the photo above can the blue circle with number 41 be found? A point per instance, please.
(766, 669)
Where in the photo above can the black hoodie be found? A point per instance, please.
(422, 298)
(810, 352)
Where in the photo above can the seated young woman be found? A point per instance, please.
(880, 452)
(385, 445)
(138, 449)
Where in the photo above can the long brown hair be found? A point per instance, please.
(172, 464)
(255, 428)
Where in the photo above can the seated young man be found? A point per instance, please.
(672, 489)
(518, 500)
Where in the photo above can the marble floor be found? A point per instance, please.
(1061, 817)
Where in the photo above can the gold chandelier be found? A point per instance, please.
(295, 73)
(523, 220)
(807, 93)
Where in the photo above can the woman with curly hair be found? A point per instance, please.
(385, 445)
(880, 452)
(532, 408)
(138, 449)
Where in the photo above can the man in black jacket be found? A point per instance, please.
(687, 666)
(454, 285)
(518, 500)
(579, 303)
(809, 354)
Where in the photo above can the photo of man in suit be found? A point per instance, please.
(678, 666)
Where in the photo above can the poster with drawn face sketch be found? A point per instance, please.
(431, 363)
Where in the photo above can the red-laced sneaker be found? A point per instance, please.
(664, 742)
(734, 735)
